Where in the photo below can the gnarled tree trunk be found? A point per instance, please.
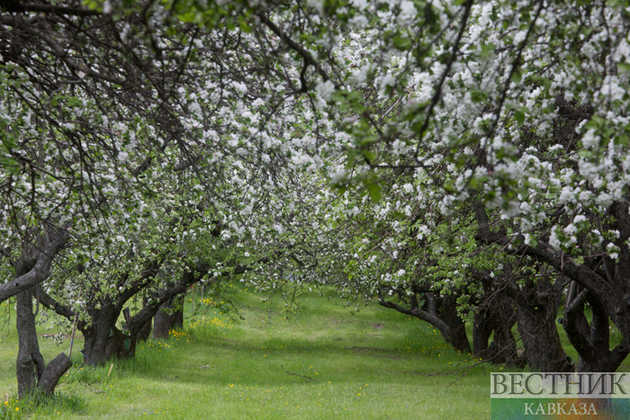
(30, 362)
(607, 279)
(496, 315)
(32, 372)
(457, 327)
(145, 331)
(169, 317)
(536, 310)
(103, 340)
(592, 342)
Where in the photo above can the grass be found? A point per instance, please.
(327, 362)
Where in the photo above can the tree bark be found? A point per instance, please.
(459, 338)
(609, 284)
(536, 310)
(39, 259)
(145, 331)
(53, 372)
(495, 313)
(32, 372)
(30, 363)
(592, 342)
(103, 340)
(32, 268)
(169, 317)
(502, 350)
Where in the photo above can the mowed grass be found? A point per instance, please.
(327, 362)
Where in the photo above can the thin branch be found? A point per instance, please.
(449, 64)
(297, 374)
(308, 58)
(16, 7)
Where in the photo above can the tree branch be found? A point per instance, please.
(306, 56)
(423, 315)
(50, 303)
(54, 241)
(438, 88)
(16, 7)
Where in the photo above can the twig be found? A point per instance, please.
(466, 372)
(297, 374)
(74, 329)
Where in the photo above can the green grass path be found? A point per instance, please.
(325, 363)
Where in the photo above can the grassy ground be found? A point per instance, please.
(325, 363)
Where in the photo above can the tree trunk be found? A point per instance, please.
(603, 277)
(32, 372)
(103, 340)
(102, 344)
(35, 263)
(537, 309)
(30, 363)
(503, 346)
(459, 338)
(495, 314)
(483, 325)
(145, 331)
(169, 317)
(592, 342)
(502, 349)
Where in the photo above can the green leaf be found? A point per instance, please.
(524, 192)
(371, 156)
(517, 76)
(487, 50)
(478, 95)
(450, 188)
(376, 193)
(10, 165)
(245, 27)
(74, 102)
(402, 43)
(187, 17)
(622, 140)
(520, 117)
(623, 67)
(363, 139)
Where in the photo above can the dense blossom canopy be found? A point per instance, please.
(383, 146)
